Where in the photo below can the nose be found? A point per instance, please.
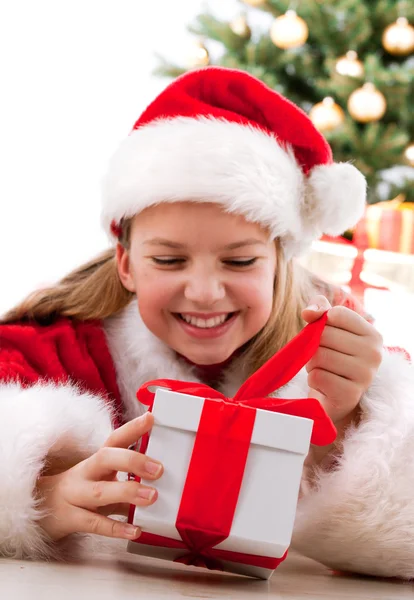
(204, 288)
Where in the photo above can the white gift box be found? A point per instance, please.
(265, 512)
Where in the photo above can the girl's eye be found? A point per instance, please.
(167, 261)
(177, 261)
(241, 263)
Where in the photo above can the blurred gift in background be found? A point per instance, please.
(79, 74)
(377, 266)
(383, 280)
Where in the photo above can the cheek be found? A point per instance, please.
(257, 293)
(154, 293)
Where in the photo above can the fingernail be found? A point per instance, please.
(313, 307)
(146, 493)
(152, 467)
(131, 531)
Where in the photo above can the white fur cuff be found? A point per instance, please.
(360, 517)
(44, 421)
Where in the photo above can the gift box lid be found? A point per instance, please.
(274, 430)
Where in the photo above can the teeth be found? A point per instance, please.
(204, 323)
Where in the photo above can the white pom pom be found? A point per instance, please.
(336, 197)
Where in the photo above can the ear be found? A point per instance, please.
(123, 264)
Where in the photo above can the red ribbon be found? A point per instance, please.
(221, 446)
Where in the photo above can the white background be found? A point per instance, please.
(75, 75)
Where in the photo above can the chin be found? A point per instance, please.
(204, 362)
(210, 358)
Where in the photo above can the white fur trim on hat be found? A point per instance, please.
(238, 166)
(337, 191)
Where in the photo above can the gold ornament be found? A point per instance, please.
(349, 65)
(254, 2)
(398, 38)
(327, 115)
(289, 31)
(240, 27)
(199, 56)
(409, 154)
(367, 104)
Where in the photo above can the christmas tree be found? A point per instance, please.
(348, 63)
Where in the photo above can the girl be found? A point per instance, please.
(221, 184)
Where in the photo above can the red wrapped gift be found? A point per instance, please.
(217, 492)
(387, 226)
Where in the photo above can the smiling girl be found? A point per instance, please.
(220, 186)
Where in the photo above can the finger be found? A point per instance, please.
(340, 364)
(342, 341)
(106, 461)
(348, 320)
(104, 493)
(328, 384)
(317, 306)
(128, 434)
(89, 522)
(353, 345)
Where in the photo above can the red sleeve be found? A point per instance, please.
(26, 357)
(61, 353)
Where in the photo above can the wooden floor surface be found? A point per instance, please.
(110, 573)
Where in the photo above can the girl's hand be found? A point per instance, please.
(346, 362)
(79, 499)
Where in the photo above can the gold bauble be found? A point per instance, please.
(254, 2)
(327, 115)
(289, 31)
(409, 154)
(240, 27)
(367, 104)
(398, 38)
(199, 55)
(349, 65)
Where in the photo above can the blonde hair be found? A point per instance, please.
(94, 291)
(291, 292)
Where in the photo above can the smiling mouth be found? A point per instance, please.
(210, 323)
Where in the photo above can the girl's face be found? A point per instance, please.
(203, 278)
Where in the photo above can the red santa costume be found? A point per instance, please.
(221, 136)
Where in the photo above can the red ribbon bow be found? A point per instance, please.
(223, 438)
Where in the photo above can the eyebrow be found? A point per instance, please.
(178, 246)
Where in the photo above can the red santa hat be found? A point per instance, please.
(220, 135)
